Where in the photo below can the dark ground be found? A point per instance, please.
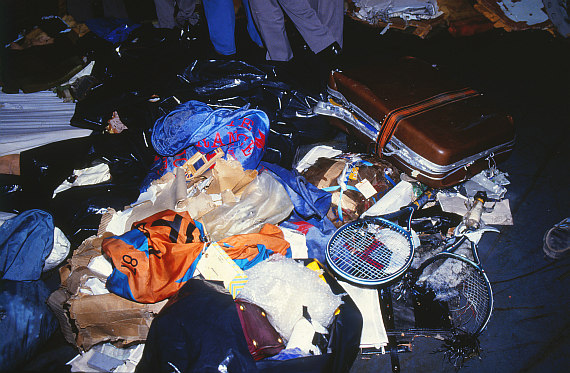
(527, 73)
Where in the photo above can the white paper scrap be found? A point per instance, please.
(367, 300)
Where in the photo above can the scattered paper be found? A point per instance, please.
(494, 213)
(398, 196)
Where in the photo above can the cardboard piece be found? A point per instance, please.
(230, 175)
(87, 320)
(110, 318)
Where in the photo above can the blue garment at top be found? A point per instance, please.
(220, 15)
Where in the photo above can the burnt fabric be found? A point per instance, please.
(154, 259)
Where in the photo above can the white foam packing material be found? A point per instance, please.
(60, 251)
(282, 286)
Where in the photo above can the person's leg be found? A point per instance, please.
(165, 13)
(221, 19)
(270, 21)
(251, 29)
(331, 14)
(186, 12)
(305, 19)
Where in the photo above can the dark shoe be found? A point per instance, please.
(329, 59)
(557, 240)
(331, 56)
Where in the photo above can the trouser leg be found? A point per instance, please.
(331, 14)
(270, 21)
(165, 13)
(251, 28)
(220, 16)
(305, 19)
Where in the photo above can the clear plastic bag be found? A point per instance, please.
(275, 286)
(263, 201)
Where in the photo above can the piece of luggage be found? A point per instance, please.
(427, 125)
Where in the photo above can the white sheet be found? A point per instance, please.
(29, 120)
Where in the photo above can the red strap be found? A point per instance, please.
(394, 117)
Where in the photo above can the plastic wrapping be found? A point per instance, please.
(264, 200)
(274, 286)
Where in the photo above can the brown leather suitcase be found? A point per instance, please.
(427, 125)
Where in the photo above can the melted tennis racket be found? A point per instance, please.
(455, 276)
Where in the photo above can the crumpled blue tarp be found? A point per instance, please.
(26, 240)
(309, 215)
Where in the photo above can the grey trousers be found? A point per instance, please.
(165, 12)
(320, 23)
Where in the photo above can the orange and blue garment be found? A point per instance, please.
(154, 259)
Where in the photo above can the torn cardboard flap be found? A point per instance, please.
(89, 337)
(110, 318)
(104, 308)
(78, 277)
(230, 175)
(89, 248)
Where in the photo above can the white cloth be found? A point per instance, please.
(29, 120)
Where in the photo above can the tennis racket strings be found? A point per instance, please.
(370, 251)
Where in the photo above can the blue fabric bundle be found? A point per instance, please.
(310, 212)
(26, 240)
(193, 127)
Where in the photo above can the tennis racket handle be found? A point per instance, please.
(427, 196)
(472, 218)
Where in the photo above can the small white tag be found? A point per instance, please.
(216, 264)
(366, 188)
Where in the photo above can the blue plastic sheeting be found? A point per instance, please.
(310, 210)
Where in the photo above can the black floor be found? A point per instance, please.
(528, 74)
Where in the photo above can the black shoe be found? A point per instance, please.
(329, 60)
(331, 56)
(557, 240)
